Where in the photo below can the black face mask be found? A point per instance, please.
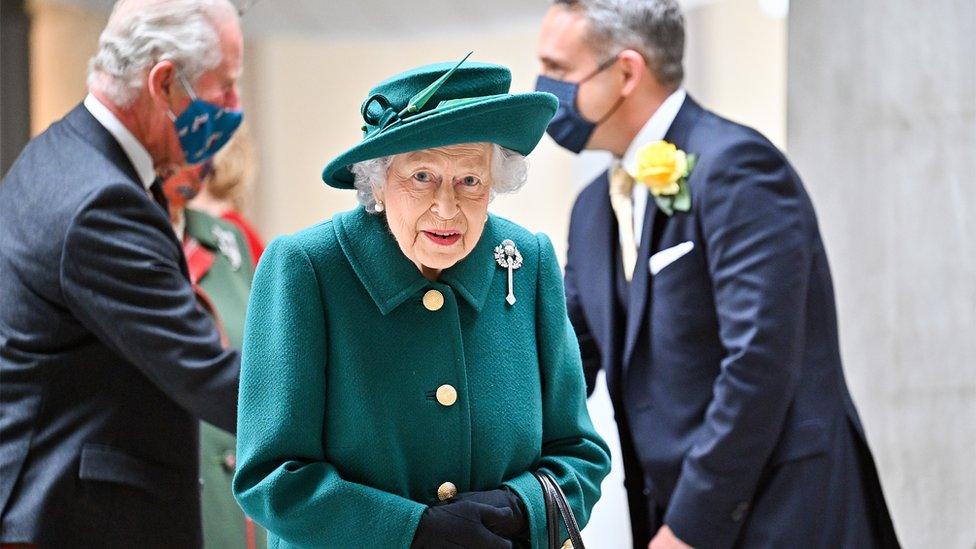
(568, 128)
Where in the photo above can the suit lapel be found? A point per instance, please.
(640, 283)
(595, 265)
(640, 286)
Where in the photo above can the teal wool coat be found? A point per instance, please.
(342, 440)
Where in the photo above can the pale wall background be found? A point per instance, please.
(882, 124)
(308, 69)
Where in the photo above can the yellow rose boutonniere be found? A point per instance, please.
(664, 169)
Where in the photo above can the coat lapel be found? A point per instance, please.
(198, 259)
(640, 286)
(388, 276)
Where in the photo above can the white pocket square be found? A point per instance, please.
(666, 257)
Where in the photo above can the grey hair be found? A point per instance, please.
(140, 34)
(654, 28)
(509, 171)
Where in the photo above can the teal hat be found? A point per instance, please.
(444, 104)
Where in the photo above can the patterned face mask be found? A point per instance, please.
(203, 128)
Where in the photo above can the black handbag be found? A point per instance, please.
(557, 508)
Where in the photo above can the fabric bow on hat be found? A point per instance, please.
(391, 117)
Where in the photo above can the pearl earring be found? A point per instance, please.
(379, 206)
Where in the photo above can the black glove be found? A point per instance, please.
(462, 524)
(502, 498)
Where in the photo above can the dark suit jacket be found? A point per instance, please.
(736, 423)
(106, 361)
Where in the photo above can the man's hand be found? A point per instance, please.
(665, 539)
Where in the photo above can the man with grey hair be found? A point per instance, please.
(107, 360)
(696, 279)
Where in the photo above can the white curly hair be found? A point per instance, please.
(141, 33)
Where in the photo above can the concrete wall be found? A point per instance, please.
(882, 126)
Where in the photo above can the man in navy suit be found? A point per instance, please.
(711, 314)
(106, 360)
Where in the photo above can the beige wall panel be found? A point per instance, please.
(736, 64)
(63, 38)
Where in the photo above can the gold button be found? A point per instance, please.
(446, 395)
(446, 491)
(433, 300)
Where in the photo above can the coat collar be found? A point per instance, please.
(80, 119)
(134, 150)
(391, 278)
(200, 226)
(217, 236)
(655, 129)
(684, 121)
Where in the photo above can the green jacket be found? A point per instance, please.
(225, 269)
(343, 437)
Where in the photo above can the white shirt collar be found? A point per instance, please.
(137, 153)
(655, 128)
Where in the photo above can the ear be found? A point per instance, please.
(634, 69)
(162, 84)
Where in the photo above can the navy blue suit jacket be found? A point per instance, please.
(106, 360)
(724, 369)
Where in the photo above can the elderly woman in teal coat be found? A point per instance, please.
(408, 365)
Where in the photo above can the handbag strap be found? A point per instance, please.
(552, 516)
(569, 519)
(557, 507)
